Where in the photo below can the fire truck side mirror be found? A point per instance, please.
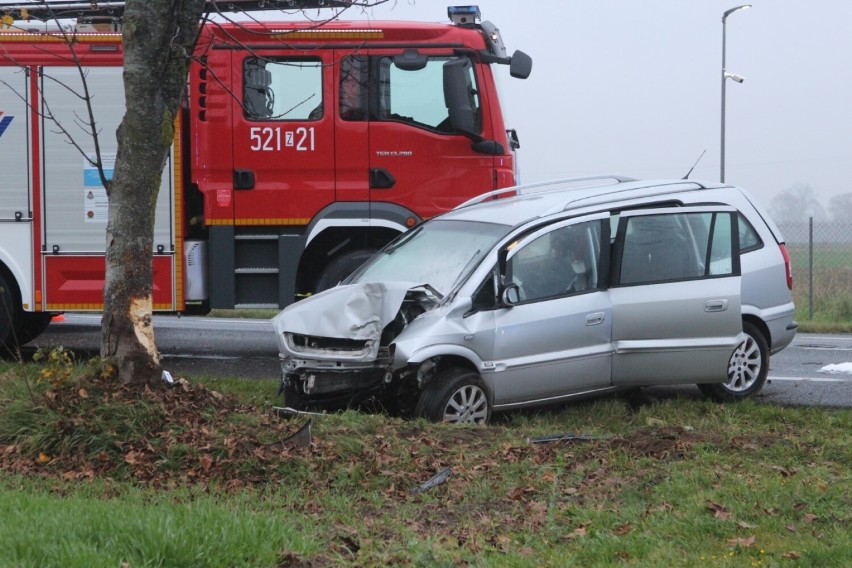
(520, 66)
(457, 96)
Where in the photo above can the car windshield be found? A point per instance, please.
(438, 253)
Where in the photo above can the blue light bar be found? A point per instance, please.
(464, 15)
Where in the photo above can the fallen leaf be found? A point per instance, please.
(516, 493)
(43, 458)
(792, 555)
(809, 518)
(791, 528)
(745, 525)
(744, 542)
(719, 511)
(623, 529)
(206, 462)
(784, 471)
(83, 393)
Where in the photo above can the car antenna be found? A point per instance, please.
(695, 164)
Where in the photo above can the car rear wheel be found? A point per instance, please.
(747, 369)
(456, 396)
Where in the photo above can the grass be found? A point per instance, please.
(831, 289)
(675, 482)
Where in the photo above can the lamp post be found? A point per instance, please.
(725, 77)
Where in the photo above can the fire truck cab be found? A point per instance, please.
(301, 149)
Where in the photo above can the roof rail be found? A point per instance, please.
(518, 189)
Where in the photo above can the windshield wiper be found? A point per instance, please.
(408, 236)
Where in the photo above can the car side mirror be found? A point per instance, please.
(511, 295)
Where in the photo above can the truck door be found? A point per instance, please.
(283, 137)
(415, 158)
(675, 296)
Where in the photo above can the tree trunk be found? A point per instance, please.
(159, 36)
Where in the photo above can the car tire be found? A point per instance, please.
(456, 396)
(747, 369)
(340, 268)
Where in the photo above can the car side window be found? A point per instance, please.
(749, 239)
(666, 247)
(558, 263)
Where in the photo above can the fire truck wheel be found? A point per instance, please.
(32, 324)
(341, 267)
(8, 315)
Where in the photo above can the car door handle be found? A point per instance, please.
(715, 305)
(596, 318)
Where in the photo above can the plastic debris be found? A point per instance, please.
(565, 437)
(439, 479)
(301, 438)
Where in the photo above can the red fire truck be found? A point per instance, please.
(301, 149)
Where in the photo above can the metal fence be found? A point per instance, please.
(821, 255)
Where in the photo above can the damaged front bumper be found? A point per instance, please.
(328, 384)
(336, 348)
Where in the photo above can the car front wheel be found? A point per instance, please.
(457, 396)
(747, 369)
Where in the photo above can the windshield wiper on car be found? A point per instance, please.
(408, 236)
(463, 272)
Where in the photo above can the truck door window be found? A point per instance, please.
(282, 88)
(354, 87)
(417, 97)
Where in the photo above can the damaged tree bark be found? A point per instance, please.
(159, 36)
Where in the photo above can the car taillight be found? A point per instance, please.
(786, 254)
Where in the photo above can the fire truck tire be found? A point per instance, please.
(341, 267)
(32, 324)
(9, 315)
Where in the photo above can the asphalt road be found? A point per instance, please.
(199, 346)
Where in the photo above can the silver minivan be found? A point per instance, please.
(544, 293)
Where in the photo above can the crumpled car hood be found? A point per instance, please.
(350, 311)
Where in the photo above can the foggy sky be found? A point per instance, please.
(633, 87)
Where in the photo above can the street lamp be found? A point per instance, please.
(725, 77)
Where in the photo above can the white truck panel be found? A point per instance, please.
(16, 252)
(75, 209)
(14, 144)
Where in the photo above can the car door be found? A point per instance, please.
(675, 296)
(555, 340)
